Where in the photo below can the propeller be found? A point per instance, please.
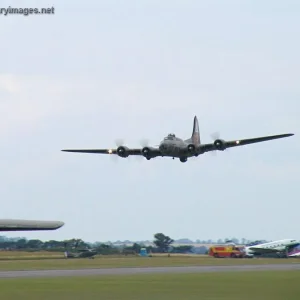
(144, 142)
(215, 136)
(120, 142)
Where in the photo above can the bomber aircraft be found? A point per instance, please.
(175, 147)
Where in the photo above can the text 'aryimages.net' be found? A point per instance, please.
(26, 11)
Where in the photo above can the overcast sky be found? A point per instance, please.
(101, 70)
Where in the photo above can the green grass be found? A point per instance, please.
(264, 285)
(115, 262)
(7, 255)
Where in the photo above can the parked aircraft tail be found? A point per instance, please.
(294, 251)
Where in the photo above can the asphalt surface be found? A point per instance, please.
(149, 270)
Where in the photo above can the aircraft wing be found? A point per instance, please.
(103, 151)
(28, 225)
(153, 152)
(222, 145)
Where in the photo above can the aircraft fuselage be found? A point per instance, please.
(174, 148)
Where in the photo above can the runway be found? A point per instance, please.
(148, 270)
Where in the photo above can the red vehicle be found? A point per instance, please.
(226, 251)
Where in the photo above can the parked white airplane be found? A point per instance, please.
(279, 247)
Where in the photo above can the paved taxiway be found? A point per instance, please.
(149, 270)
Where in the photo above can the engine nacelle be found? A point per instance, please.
(220, 144)
(122, 151)
(146, 152)
(191, 148)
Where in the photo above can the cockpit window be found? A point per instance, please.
(170, 136)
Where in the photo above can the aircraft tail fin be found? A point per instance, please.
(196, 133)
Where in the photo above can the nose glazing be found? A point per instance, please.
(162, 147)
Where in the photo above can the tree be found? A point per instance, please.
(21, 244)
(162, 242)
(136, 247)
(105, 249)
(34, 244)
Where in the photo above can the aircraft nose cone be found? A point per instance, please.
(161, 147)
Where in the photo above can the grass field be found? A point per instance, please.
(17, 263)
(6, 255)
(211, 286)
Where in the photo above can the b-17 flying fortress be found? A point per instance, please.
(175, 147)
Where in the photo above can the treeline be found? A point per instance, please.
(161, 244)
